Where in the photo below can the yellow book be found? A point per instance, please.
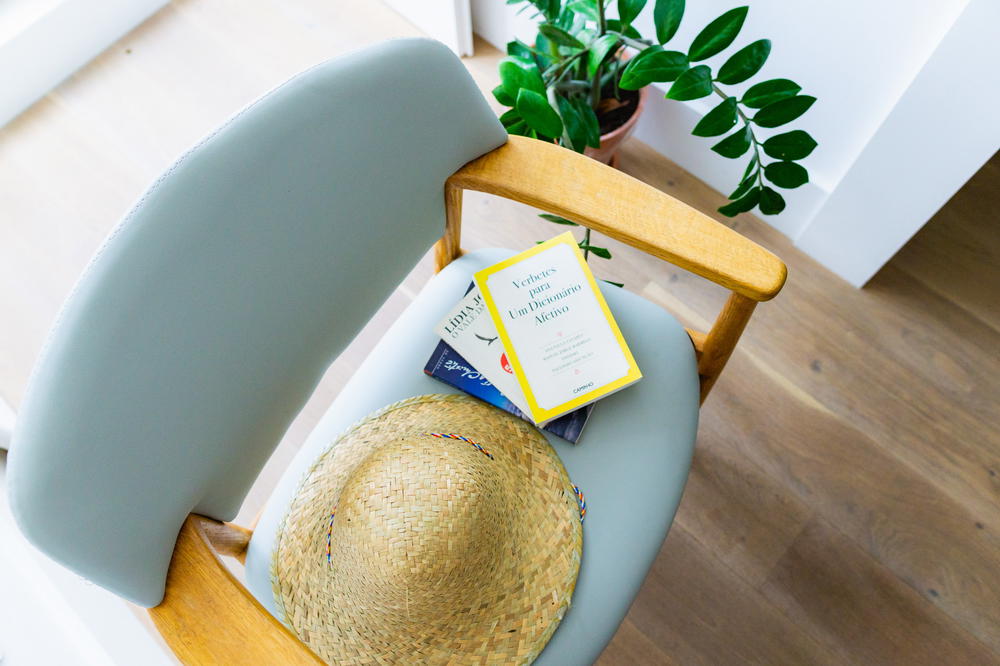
(562, 342)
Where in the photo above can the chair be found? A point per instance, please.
(208, 317)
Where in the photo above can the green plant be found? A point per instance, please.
(556, 86)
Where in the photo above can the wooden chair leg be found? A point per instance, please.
(449, 247)
(719, 343)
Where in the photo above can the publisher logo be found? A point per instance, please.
(581, 389)
(505, 364)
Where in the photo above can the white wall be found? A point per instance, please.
(498, 23)
(448, 21)
(941, 131)
(856, 56)
(859, 58)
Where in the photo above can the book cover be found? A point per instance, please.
(469, 330)
(448, 366)
(560, 338)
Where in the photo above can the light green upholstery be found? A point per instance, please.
(209, 315)
(631, 462)
(206, 320)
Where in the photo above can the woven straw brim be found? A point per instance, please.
(400, 547)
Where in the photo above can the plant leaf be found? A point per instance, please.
(537, 112)
(692, 84)
(548, 8)
(783, 111)
(718, 34)
(543, 50)
(574, 124)
(590, 121)
(744, 187)
(559, 36)
(667, 15)
(586, 8)
(750, 166)
(601, 252)
(510, 117)
(788, 175)
(617, 284)
(792, 145)
(520, 128)
(741, 205)
(745, 63)
(717, 121)
(766, 92)
(651, 65)
(558, 220)
(629, 9)
(517, 75)
(771, 203)
(614, 25)
(599, 50)
(518, 49)
(735, 144)
(503, 96)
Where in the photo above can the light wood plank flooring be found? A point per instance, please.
(844, 502)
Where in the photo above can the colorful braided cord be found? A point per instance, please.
(329, 536)
(464, 439)
(582, 502)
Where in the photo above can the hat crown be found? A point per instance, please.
(420, 513)
(441, 548)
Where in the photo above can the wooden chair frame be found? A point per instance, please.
(617, 205)
(208, 617)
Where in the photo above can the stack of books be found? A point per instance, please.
(534, 336)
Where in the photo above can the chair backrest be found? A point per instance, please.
(205, 321)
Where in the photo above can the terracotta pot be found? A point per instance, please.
(608, 152)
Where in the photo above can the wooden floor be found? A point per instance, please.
(844, 502)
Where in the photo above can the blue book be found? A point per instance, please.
(446, 365)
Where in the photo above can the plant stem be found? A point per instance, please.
(554, 50)
(586, 244)
(602, 29)
(638, 44)
(571, 86)
(564, 140)
(565, 66)
(753, 137)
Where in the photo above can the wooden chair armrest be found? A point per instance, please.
(606, 200)
(208, 617)
(615, 204)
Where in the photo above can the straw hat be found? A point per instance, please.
(437, 530)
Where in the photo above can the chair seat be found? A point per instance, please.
(631, 462)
